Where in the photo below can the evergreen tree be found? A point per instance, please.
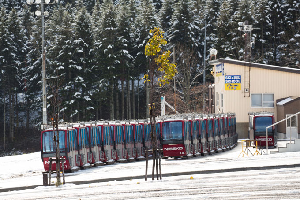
(138, 57)
(28, 88)
(273, 28)
(13, 59)
(212, 10)
(12, 4)
(145, 20)
(223, 45)
(82, 65)
(184, 37)
(230, 40)
(157, 4)
(261, 23)
(33, 73)
(108, 50)
(61, 56)
(3, 57)
(165, 15)
(99, 95)
(290, 34)
(182, 24)
(124, 53)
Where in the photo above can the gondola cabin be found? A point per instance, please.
(257, 128)
(68, 146)
(176, 138)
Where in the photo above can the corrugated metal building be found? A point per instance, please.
(243, 87)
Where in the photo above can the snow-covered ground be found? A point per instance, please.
(224, 175)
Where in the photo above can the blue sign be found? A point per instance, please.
(233, 82)
(220, 69)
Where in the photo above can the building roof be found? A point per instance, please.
(286, 100)
(258, 65)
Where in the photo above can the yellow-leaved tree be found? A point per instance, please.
(160, 67)
(153, 50)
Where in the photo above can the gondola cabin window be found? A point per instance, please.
(195, 129)
(203, 129)
(260, 125)
(172, 130)
(187, 131)
(120, 137)
(48, 142)
(139, 133)
(210, 128)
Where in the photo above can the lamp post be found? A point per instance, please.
(204, 57)
(44, 95)
(42, 14)
(246, 28)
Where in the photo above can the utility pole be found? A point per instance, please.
(174, 58)
(247, 29)
(44, 84)
(44, 65)
(204, 57)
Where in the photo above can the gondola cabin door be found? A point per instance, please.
(195, 138)
(73, 156)
(83, 141)
(95, 144)
(138, 141)
(129, 141)
(204, 137)
(108, 140)
(188, 138)
(120, 145)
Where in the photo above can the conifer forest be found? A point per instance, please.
(95, 54)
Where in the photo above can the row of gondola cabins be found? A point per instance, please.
(86, 144)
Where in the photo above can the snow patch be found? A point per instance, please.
(282, 102)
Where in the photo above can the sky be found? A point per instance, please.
(226, 175)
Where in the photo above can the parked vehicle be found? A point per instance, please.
(257, 128)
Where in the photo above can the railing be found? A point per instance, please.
(274, 125)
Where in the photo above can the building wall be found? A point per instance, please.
(280, 83)
(280, 116)
(288, 108)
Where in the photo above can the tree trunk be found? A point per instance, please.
(97, 111)
(100, 110)
(128, 100)
(4, 123)
(11, 115)
(17, 110)
(138, 99)
(147, 98)
(117, 102)
(27, 113)
(122, 99)
(111, 101)
(133, 100)
(83, 106)
(78, 106)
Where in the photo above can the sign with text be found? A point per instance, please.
(220, 70)
(233, 82)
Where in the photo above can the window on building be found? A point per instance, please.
(221, 100)
(262, 100)
(217, 98)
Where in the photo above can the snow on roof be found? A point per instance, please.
(284, 101)
(259, 65)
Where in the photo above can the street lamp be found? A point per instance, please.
(243, 26)
(204, 57)
(42, 13)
